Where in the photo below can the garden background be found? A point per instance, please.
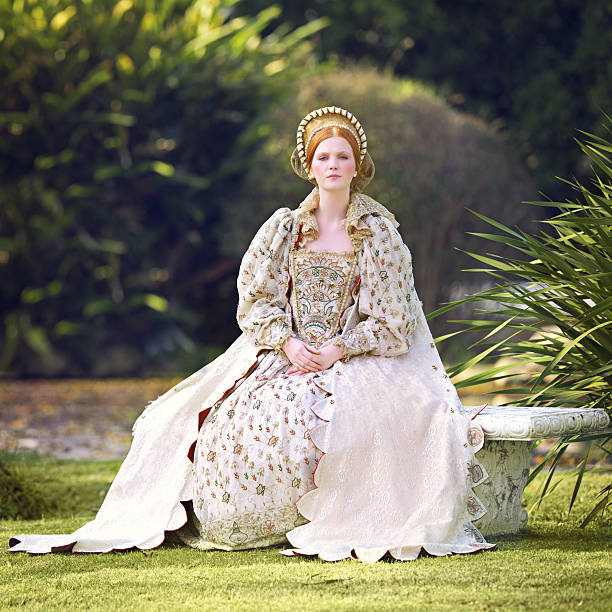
(143, 142)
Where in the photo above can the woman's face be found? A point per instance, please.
(333, 164)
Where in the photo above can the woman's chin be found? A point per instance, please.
(335, 185)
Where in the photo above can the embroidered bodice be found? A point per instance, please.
(321, 292)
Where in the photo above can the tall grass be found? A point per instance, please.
(552, 313)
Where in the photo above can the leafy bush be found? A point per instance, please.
(554, 309)
(121, 126)
(431, 164)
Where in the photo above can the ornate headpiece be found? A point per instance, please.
(329, 116)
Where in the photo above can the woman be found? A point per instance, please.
(335, 379)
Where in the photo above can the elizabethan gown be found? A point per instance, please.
(374, 455)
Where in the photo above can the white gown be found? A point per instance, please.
(228, 456)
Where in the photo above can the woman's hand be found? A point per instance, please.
(306, 358)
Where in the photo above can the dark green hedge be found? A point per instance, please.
(19, 497)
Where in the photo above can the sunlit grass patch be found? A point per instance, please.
(552, 565)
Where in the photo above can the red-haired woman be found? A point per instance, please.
(330, 422)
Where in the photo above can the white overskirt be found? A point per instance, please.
(397, 474)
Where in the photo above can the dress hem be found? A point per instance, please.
(372, 554)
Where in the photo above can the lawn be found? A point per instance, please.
(553, 565)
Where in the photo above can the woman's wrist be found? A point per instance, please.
(337, 352)
(286, 342)
(338, 343)
(283, 342)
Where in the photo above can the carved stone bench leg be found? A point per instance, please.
(507, 462)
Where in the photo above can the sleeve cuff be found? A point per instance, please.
(339, 342)
(278, 346)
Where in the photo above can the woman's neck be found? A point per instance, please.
(332, 206)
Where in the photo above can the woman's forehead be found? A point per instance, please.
(334, 144)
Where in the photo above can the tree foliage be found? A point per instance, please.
(538, 68)
(120, 124)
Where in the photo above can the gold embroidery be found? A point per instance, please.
(321, 288)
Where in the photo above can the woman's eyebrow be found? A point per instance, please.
(327, 152)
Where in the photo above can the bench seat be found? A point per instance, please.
(508, 434)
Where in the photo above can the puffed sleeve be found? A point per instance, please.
(388, 302)
(263, 282)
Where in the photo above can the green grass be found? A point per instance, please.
(554, 565)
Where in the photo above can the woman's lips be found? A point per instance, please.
(334, 176)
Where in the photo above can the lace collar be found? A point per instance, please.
(360, 206)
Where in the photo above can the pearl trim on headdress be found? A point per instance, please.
(348, 121)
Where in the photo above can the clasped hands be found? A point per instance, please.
(306, 358)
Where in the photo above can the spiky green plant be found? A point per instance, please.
(553, 308)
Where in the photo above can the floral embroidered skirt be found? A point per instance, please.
(253, 460)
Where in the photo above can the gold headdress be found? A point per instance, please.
(327, 117)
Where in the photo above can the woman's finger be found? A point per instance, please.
(304, 353)
(306, 366)
(312, 359)
(317, 361)
(312, 349)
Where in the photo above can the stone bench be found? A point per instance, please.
(508, 433)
